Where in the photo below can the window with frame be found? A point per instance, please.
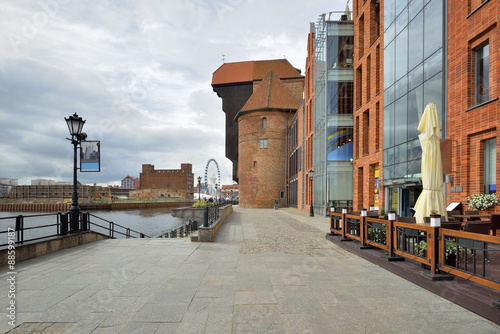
(263, 143)
(481, 73)
(264, 123)
(490, 166)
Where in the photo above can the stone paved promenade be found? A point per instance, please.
(270, 271)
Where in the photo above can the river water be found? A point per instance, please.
(152, 222)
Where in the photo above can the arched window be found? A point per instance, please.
(264, 122)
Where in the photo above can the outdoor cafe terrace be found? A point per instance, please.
(459, 258)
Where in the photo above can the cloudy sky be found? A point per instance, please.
(138, 72)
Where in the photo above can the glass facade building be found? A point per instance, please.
(333, 113)
(414, 66)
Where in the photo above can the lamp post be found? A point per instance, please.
(199, 188)
(75, 126)
(311, 208)
(216, 192)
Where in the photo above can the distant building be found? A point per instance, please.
(56, 193)
(131, 183)
(42, 182)
(165, 183)
(231, 191)
(8, 182)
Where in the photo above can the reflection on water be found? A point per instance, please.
(153, 222)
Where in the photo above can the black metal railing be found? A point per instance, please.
(27, 230)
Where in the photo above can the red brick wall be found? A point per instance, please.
(308, 123)
(469, 126)
(178, 179)
(262, 172)
(368, 126)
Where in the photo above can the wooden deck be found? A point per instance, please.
(472, 296)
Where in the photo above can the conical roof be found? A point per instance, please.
(270, 94)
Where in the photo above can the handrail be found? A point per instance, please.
(61, 227)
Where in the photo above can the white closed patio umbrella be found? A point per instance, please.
(431, 200)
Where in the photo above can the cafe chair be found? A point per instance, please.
(453, 213)
(482, 227)
(495, 224)
(410, 220)
(472, 213)
(451, 225)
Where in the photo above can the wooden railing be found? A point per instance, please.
(475, 257)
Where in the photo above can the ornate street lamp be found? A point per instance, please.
(199, 188)
(216, 192)
(75, 126)
(311, 188)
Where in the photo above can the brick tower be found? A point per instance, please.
(262, 143)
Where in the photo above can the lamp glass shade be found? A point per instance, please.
(311, 173)
(75, 124)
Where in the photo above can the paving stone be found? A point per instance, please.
(268, 271)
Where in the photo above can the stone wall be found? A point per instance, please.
(26, 252)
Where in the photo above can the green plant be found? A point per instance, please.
(450, 248)
(378, 235)
(382, 211)
(482, 201)
(421, 248)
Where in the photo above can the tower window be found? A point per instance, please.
(264, 123)
(263, 143)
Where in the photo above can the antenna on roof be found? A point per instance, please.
(223, 57)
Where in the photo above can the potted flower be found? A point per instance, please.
(482, 201)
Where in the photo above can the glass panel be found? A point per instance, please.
(416, 36)
(401, 153)
(389, 126)
(400, 125)
(490, 166)
(340, 51)
(400, 5)
(416, 77)
(414, 150)
(414, 7)
(433, 92)
(482, 74)
(389, 34)
(401, 87)
(339, 146)
(415, 111)
(400, 170)
(433, 65)
(433, 28)
(389, 65)
(389, 12)
(414, 168)
(389, 95)
(388, 172)
(401, 20)
(340, 98)
(401, 54)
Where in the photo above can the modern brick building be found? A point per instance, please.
(173, 182)
(306, 129)
(473, 81)
(368, 105)
(260, 99)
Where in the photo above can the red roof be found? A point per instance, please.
(271, 94)
(249, 71)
